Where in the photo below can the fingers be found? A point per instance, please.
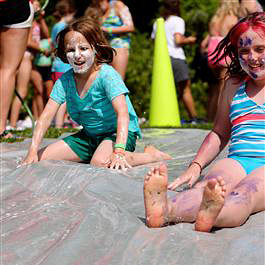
(176, 183)
(119, 164)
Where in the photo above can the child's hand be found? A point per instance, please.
(117, 161)
(190, 176)
(32, 157)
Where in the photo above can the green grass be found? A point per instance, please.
(27, 133)
(55, 133)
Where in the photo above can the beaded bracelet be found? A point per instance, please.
(122, 146)
(197, 163)
(120, 153)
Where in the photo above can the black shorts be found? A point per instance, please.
(45, 72)
(14, 11)
(180, 70)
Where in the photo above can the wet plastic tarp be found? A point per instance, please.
(64, 213)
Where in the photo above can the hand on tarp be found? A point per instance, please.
(32, 157)
(190, 176)
(118, 161)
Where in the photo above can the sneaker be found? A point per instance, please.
(27, 123)
(195, 121)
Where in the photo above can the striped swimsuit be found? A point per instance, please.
(248, 131)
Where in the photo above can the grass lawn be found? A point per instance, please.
(55, 133)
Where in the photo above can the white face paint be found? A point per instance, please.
(251, 53)
(79, 53)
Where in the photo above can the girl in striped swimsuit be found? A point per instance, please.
(234, 184)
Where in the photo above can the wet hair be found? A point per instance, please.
(91, 30)
(170, 7)
(229, 45)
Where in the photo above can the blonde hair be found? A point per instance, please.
(226, 7)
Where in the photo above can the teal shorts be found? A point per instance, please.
(85, 146)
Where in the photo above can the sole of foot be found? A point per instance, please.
(211, 205)
(155, 196)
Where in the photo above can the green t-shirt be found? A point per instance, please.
(95, 111)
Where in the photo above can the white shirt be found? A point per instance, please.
(173, 24)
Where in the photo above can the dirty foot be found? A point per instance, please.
(158, 155)
(155, 196)
(211, 205)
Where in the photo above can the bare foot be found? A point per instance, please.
(211, 205)
(155, 196)
(159, 155)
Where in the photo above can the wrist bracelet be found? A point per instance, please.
(197, 163)
(119, 151)
(121, 146)
(109, 30)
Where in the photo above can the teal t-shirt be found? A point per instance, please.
(95, 111)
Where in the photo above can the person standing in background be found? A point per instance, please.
(15, 22)
(175, 30)
(225, 17)
(117, 23)
(64, 13)
(39, 28)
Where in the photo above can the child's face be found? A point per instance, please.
(251, 53)
(78, 51)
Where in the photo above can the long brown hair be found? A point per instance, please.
(91, 30)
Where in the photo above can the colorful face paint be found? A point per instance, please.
(79, 52)
(251, 52)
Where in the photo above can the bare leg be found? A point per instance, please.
(185, 205)
(186, 96)
(120, 61)
(23, 77)
(13, 44)
(48, 89)
(246, 198)
(38, 93)
(58, 151)
(150, 155)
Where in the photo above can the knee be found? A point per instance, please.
(98, 162)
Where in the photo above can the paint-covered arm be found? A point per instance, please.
(214, 142)
(43, 123)
(117, 158)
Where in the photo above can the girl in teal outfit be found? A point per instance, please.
(117, 23)
(96, 98)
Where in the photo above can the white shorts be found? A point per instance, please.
(25, 24)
